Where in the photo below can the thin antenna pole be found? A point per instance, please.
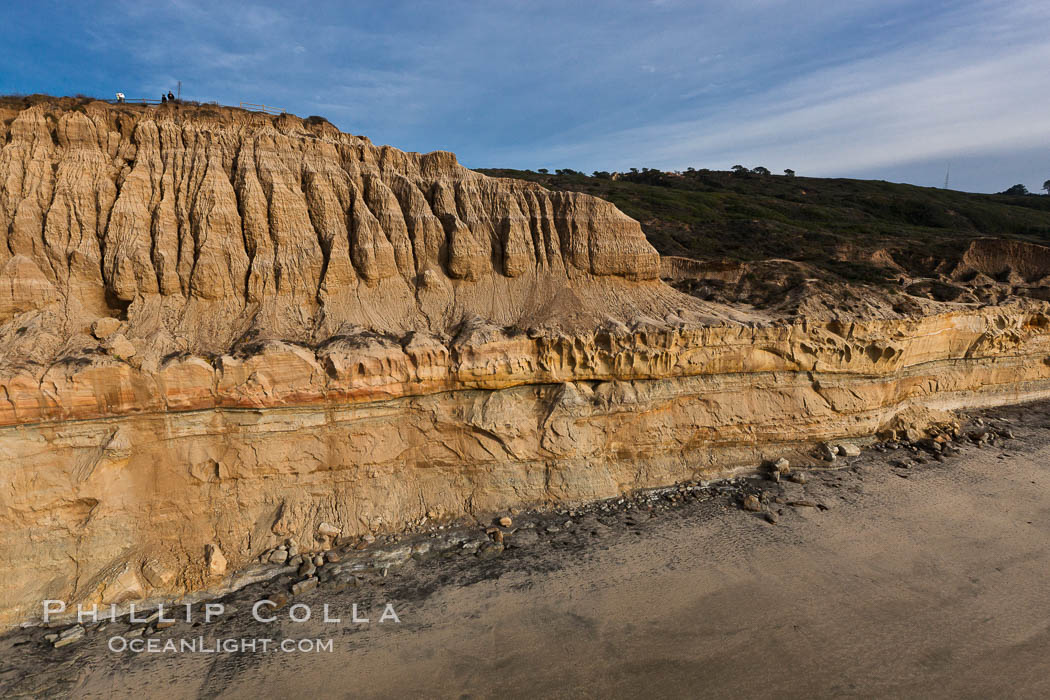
(180, 96)
(946, 173)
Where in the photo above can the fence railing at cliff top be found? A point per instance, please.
(269, 109)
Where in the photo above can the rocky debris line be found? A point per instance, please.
(935, 443)
(335, 563)
(338, 562)
(541, 541)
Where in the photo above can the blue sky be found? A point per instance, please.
(889, 89)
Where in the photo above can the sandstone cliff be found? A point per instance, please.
(220, 329)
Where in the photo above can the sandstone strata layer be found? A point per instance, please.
(221, 329)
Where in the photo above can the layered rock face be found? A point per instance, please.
(221, 329)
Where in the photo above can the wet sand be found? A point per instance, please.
(924, 580)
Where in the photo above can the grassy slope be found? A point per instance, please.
(833, 223)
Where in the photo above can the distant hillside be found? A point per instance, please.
(856, 230)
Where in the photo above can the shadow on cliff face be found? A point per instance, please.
(989, 271)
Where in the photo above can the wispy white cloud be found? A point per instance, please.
(977, 86)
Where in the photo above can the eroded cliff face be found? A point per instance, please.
(220, 329)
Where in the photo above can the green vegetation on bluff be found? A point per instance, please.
(833, 223)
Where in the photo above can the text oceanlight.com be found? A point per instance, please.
(200, 645)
